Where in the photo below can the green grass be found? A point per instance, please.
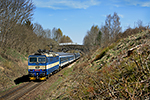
(15, 54)
(1, 59)
(68, 71)
(104, 51)
(59, 81)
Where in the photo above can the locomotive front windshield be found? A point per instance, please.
(33, 59)
(41, 60)
(37, 59)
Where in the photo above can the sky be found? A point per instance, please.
(76, 17)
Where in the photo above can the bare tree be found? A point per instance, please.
(99, 38)
(39, 31)
(86, 41)
(53, 32)
(91, 37)
(105, 36)
(112, 24)
(65, 39)
(94, 33)
(48, 33)
(139, 23)
(116, 25)
(13, 12)
(57, 34)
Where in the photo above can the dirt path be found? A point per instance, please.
(71, 65)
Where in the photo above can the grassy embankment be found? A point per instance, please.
(12, 66)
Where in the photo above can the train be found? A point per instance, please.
(45, 62)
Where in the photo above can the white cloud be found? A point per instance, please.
(117, 5)
(50, 15)
(104, 15)
(120, 3)
(120, 15)
(145, 3)
(63, 4)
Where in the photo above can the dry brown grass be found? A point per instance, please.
(120, 77)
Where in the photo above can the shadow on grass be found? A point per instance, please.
(24, 78)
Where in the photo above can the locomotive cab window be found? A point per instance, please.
(42, 59)
(33, 59)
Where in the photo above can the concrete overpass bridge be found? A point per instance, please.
(72, 46)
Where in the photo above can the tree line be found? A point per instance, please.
(18, 32)
(110, 32)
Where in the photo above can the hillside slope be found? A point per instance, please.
(12, 66)
(119, 71)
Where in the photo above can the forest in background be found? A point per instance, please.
(110, 32)
(18, 32)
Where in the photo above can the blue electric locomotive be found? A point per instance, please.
(42, 64)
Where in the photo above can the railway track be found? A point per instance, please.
(18, 93)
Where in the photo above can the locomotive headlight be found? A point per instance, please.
(43, 69)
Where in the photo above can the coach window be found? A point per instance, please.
(51, 59)
(61, 59)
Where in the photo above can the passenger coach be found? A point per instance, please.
(65, 58)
